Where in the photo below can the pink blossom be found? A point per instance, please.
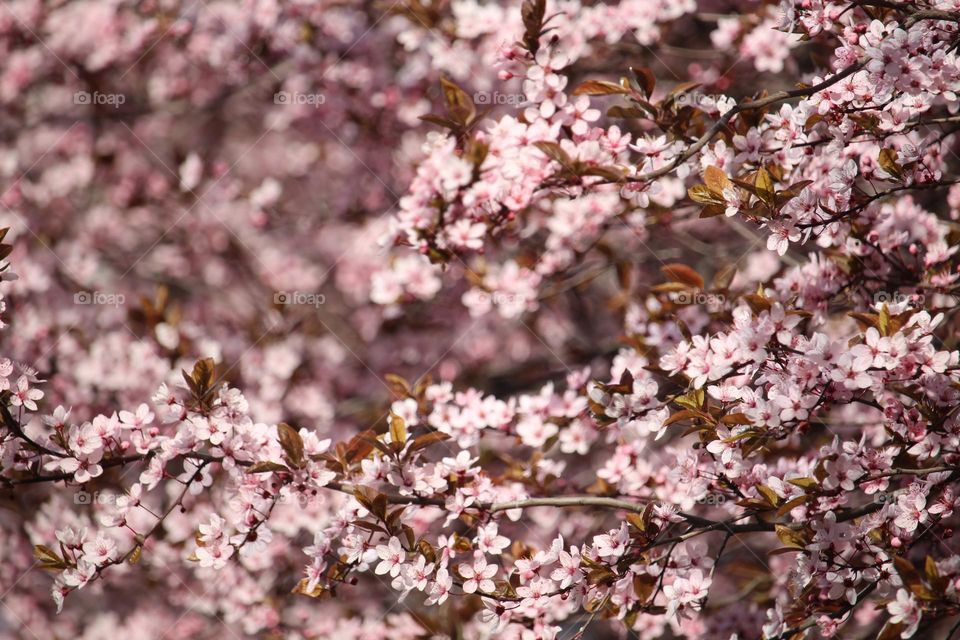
(392, 557)
(477, 576)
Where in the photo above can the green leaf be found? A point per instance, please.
(704, 195)
(764, 184)
(398, 429)
(883, 320)
(804, 483)
(691, 400)
(789, 537)
(888, 162)
(769, 494)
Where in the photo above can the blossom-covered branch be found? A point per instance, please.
(480, 320)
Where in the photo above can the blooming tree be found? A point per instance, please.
(457, 319)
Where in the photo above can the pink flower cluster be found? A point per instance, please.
(507, 320)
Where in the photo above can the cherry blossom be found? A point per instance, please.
(477, 576)
(521, 320)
